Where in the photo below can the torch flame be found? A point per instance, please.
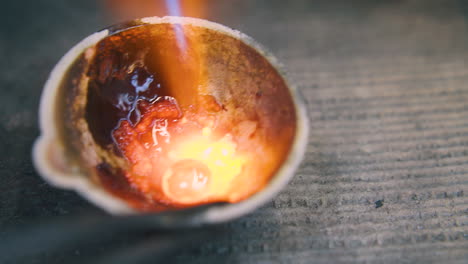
(174, 9)
(131, 9)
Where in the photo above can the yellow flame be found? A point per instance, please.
(219, 156)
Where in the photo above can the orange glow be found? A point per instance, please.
(131, 9)
(174, 160)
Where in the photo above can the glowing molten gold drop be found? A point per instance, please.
(203, 169)
(187, 180)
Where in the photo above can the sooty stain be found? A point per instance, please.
(379, 203)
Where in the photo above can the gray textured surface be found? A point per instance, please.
(387, 86)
